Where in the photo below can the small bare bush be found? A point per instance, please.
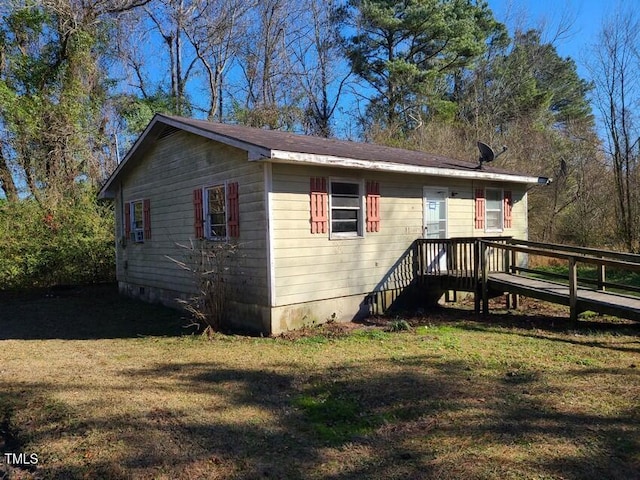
(209, 263)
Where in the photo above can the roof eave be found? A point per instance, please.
(281, 156)
(254, 152)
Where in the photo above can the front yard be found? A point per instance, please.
(100, 387)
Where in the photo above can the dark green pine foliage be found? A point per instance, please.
(529, 80)
(410, 52)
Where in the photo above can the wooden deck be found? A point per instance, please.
(494, 266)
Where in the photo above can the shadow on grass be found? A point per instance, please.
(83, 312)
(424, 418)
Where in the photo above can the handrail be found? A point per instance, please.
(594, 260)
(629, 257)
(461, 239)
(573, 255)
(588, 281)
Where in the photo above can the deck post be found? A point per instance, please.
(514, 270)
(573, 289)
(485, 277)
(507, 260)
(476, 275)
(601, 277)
(507, 257)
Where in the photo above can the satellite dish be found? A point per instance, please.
(486, 153)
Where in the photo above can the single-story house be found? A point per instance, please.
(322, 226)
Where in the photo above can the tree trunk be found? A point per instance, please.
(6, 180)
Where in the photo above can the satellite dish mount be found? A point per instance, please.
(486, 153)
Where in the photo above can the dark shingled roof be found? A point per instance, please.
(291, 142)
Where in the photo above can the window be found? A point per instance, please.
(346, 209)
(215, 213)
(493, 208)
(137, 220)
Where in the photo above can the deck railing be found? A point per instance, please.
(600, 259)
(455, 259)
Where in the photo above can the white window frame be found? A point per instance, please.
(137, 234)
(207, 219)
(360, 218)
(487, 210)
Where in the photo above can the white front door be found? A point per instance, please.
(435, 226)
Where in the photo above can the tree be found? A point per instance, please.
(171, 18)
(215, 33)
(52, 93)
(54, 150)
(526, 79)
(317, 53)
(268, 94)
(524, 95)
(407, 52)
(615, 71)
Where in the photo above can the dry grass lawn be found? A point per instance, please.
(102, 387)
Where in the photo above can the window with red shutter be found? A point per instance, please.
(319, 205)
(373, 207)
(346, 208)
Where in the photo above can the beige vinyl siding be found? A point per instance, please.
(167, 175)
(311, 267)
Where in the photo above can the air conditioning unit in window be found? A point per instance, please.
(138, 236)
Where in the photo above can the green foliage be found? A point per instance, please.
(52, 96)
(72, 244)
(529, 79)
(136, 113)
(408, 52)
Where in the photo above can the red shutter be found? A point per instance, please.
(146, 209)
(480, 208)
(233, 210)
(373, 207)
(319, 202)
(198, 215)
(508, 209)
(127, 221)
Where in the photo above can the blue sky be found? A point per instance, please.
(581, 18)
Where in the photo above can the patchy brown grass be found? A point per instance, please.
(511, 396)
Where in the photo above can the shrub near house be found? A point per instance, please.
(71, 243)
